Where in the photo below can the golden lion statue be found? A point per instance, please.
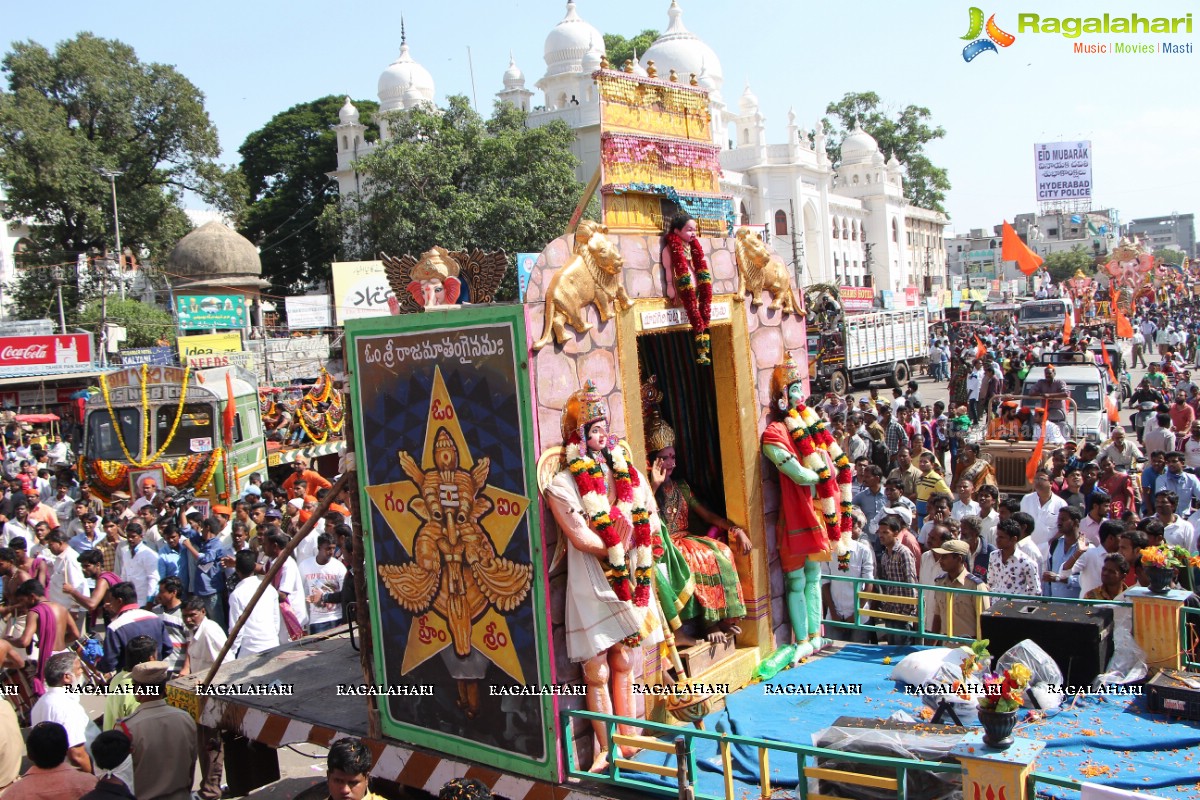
(759, 269)
(593, 275)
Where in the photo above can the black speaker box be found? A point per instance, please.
(1078, 637)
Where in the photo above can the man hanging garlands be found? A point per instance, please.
(691, 281)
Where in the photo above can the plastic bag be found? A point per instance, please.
(1128, 662)
(922, 744)
(1045, 683)
(966, 708)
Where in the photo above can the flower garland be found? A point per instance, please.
(593, 492)
(144, 379)
(309, 432)
(697, 300)
(808, 433)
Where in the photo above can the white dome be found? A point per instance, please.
(348, 114)
(567, 43)
(638, 69)
(681, 50)
(893, 162)
(749, 102)
(513, 77)
(705, 81)
(591, 59)
(859, 147)
(404, 83)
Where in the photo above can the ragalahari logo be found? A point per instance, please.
(994, 37)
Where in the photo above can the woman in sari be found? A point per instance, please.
(973, 468)
(717, 600)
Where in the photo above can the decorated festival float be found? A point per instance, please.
(593, 528)
(205, 431)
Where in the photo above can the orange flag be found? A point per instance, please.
(230, 410)
(1124, 327)
(1114, 413)
(980, 350)
(1067, 327)
(1112, 376)
(1035, 460)
(1013, 249)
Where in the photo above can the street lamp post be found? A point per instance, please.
(112, 175)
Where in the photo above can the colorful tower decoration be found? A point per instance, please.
(657, 155)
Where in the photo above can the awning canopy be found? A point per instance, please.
(54, 377)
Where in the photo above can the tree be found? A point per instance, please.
(145, 326)
(448, 178)
(1169, 255)
(1063, 264)
(904, 132)
(619, 49)
(92, 105)
(285, 165)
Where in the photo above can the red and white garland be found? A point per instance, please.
(593, 492)
(697, 300)
(809, 433)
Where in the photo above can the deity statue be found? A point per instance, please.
(807, 456)
(689, 281)
(717, 600)
(435, 280)
(605, 509)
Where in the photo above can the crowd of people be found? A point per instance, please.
(158, 582)
(927, 507)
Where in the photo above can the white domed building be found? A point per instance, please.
(851, 227)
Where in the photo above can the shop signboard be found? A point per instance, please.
(198, 312)
(857, 298)
(24, 355)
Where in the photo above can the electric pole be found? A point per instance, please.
(112, 175)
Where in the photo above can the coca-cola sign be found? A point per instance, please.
(23, 355)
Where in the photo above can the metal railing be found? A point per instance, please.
(1046, 779)
(671, 778)
(917, 618)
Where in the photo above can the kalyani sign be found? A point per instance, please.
(48, 354)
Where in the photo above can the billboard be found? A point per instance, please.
(206, 344)
(360, 290)
(23, 355)
(156, 356)
(197, 312)
(857, 298)
(431, 394)
(1063, 171)
(308, 312)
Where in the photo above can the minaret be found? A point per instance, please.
(514, 91)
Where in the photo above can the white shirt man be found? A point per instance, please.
(140, 567)
(204, 642)
(64, 507)
(291, 584)
(1086, 571)
(64, 569)
(1191, 452)
(1045, 518)
(862, 565)
(324, 578)
(261, 631)
(1054, 434)
(61, 705)
(974, 383)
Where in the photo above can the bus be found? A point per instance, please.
(1045, 313)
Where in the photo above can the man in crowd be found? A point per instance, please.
(129, 619)
(114, 767)
(1185, 485)
(300, 471)
(348, 771)
(838, 596)
(208, 576)
(1085, 574)
(1043, 505)
(62, 703)
(952, 558)
(1010, 571)
(164, 737)
(896, 563)
(322, 574)
(139, 564)
(52, 774)
(64, 570)
(261, 630)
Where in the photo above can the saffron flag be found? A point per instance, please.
(230, 409)
(1112, 376)
(1035, 460)
(1067, 327)
(1114, 413)
(1013, 249)
(1124, 327)
(980, 350)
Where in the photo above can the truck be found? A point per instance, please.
(852, 350)
(198, 430)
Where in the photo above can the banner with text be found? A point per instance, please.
(206, 344)
(197, 312)
(1063, 171)
(23, 355)
(308, 312)
(360, 290)
(857, 298)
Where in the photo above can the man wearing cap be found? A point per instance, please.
(224, 514)
(148, 488)
(300, 471)
(164, 737)
(39, 511)
(952, 558)
(120, 506)
(1008, 424)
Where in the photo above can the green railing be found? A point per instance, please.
(660, 737)
(917, 618)
(1046, 779)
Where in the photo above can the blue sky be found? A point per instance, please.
(255, 58)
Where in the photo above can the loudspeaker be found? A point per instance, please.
(1078, 637)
